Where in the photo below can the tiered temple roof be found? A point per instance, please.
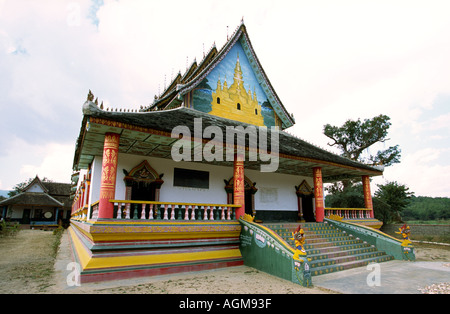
(173, 95)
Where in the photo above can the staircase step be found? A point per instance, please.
(347, 265)
(344, 259)
(321, 256)
(331, 249)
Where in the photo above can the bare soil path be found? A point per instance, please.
(27, 266)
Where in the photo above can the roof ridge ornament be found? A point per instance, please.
(90, 96)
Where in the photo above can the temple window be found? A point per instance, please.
(256, 111)
(218, 100)
(191, 178)
(238, 106)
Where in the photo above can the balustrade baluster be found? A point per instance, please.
(150, 212)
(222, 213)
(193, 212)
(205, 212)
(211, 212)
(161, 211)
(96, 211)
(143, 211)
(127, 208)
(172, 213)
(186, 212)
(119, 210)
(179, 212)
(166, 216)
(229, 213)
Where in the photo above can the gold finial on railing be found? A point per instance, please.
(248, 217)
(335, 217)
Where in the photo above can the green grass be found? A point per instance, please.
(429, 222)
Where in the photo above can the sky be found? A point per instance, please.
(328, 61)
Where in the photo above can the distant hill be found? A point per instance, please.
(427, 208)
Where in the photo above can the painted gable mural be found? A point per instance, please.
(232, 91)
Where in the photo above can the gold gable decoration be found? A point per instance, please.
(235, 102)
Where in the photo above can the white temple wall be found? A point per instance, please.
(275, 191)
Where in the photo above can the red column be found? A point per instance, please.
(318, 194)
(109, 170)
(238, 185)
(367, 194)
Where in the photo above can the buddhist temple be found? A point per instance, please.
(40, 204)
(164, 188)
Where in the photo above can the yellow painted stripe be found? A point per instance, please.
(127, 231)
(80, 249)
(161, 236)
(121, 261)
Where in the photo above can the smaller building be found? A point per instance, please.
(39, 204)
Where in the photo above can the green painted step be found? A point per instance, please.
(329, 248)
(337, 253)
(358, 263)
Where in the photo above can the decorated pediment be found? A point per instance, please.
(231, 90)
(142, 173)
(304, 189)
(248, 185)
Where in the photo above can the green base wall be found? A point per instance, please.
(264, 250)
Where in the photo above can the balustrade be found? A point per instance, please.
(149, 210)
(349, 213)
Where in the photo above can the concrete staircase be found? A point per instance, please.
(329, 248)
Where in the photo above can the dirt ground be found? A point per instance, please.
(27, 266)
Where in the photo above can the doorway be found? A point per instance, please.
(249, 205)
(249, 196)
(143, 191)
(308, 208)
(142, 183)
(305, 196)
(26, 216)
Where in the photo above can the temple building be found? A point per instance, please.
(161, 189)
(40, 204)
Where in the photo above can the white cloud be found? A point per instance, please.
(52, 161)
(24, 160)
(422, 173)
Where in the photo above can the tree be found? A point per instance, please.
(354, 137)
(396, 195)
(351, 197)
